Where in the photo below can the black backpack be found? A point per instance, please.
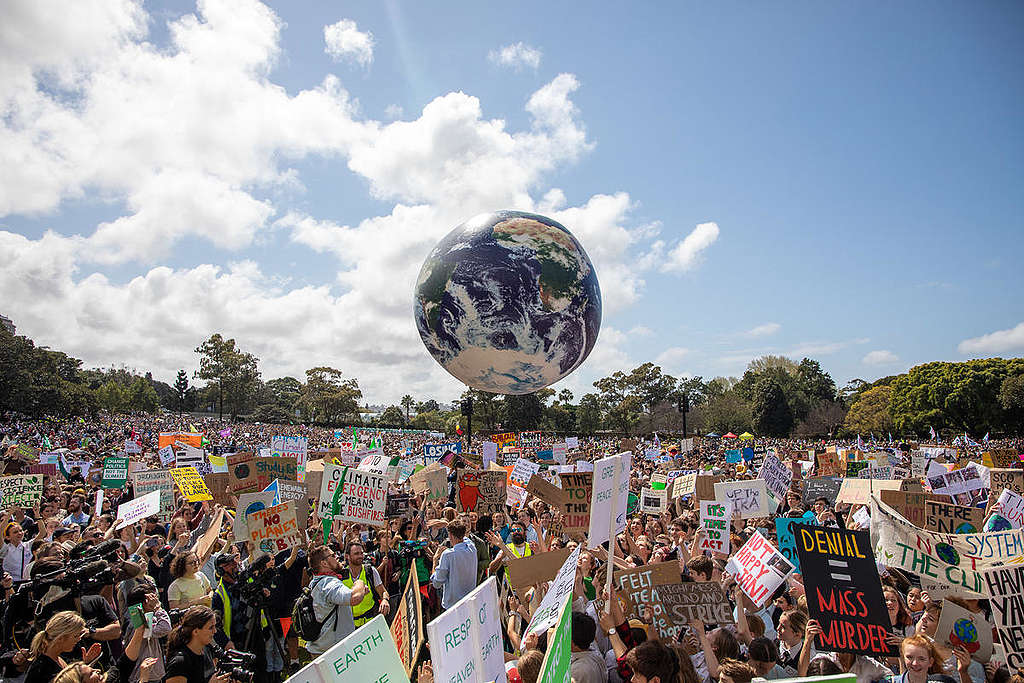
(304, 621)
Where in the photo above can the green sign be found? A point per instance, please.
(115, 472)
(632, 503)
(555, 668)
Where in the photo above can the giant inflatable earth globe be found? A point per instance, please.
(508, 302)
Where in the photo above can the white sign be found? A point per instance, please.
(190, 456)
(653, 501)
(363, 497)
(759, 568)
(608, 498)
(368, 655)
(1011, 507)
(715, 519)
(131, 446)
(572, 442)
(558, 452)
(748, 498)
(138, 508)
(465, 641)
(776, 476)
(490, 454)
(546, 615)
(166, 455)
(522, 471)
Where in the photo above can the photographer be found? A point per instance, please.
(228, 601)
(332, 600)
(189, 655)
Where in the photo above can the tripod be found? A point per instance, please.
(255, 620)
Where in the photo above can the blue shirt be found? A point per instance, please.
(455, 573)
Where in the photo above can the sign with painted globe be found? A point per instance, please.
(508, 302)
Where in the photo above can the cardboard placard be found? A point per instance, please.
(953, 519)
(157, 480)
(546, 491)
(749, 498)
(21, 490)
(844, 592)
(269, 469)
(759, 569)
(577, 487)
(786, 539)
(242, 472)
(430, 482)
(858, 491)
(638, 587)
(827, 464)
(908, 504)
(250, 503)
(961, 628)
(702, 601)
(653, 502)
(481, 491)
(704, 487)
(276, 528)
(527, 571)
(546, 615)
(407, 626)
(1000, 479)
(363, 496)
(684, 485)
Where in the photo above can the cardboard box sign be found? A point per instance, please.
(546, 491)
(527, 571)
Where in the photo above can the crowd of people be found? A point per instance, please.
(87, 598)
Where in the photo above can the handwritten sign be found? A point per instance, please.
(702, 601)
(191, 484)
(21, 490)
(777, 477)
(748, 498)
(714, 520)
(638, 587)
(759, 568)
(1004, 587)
(407, 627)
(157, 480)
(363, 497)
(276, 528)
(577, 487)
(953, 519)
(138, 509)
(269, 469)
(481, 491)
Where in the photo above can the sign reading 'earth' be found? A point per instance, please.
(508, 302)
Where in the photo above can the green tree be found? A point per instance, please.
(487, 409)
(271, 413)
(407, 403)
(392, 415)
(428, 406)
(38, 381)
(727, 412)
(141, 396)
(564, 397)
(771, 413)
(522, 412)
(112, 397)
(181, 387)
(1011, 398)
(588, 414)
(284, 392)
(327, 398)
(871, 412)
(234, 372)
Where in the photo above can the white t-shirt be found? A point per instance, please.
(188, 588)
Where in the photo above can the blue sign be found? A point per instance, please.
(787, 541)
(732, 455)
(748, 453)
(435, 451)
(549, 454)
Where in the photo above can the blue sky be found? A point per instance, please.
(223, 168)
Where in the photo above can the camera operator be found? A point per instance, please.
(189, 652)
(229, 602)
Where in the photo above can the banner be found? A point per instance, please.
(276, 528)
(466, 640)
(432, 452)
(115, 473)
(269, 469)
(191, 485)
(702, 601)
(748, 498)
(555, 667)
(843, 591)
(961, 628)
(1005, 589)
(576, 512)
(715, 517)
(480, 491)
(369, 654)
(561, 587)
(157, 480)
(777, 477)
(759, 568)
(639, 588)
(138, 509)
(21, 490)
(407, 626)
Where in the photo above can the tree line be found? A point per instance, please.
(776, 396)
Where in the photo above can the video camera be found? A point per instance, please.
(254, 579)
(241, 666)
(412, 550)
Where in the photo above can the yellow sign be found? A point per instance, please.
(191, 484)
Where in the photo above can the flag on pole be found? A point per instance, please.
(931, 430)
(860, 443)
(985, 438)
(192, 428)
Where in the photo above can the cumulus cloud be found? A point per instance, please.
(687, 253)
(999, 341)
(880, 357)
(345, 42)
(671, 357)
(516, 56)
(193, 142)
(763, 330)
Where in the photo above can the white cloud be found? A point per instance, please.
(516, 56)
(194, 141)
(822, 348)
(346, 42)
(763, 330)
(394, 111)
(881, 357)
(999, 341)
(687, 253)
(671, 357)
(640, 331)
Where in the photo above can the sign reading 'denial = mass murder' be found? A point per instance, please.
(843, 590)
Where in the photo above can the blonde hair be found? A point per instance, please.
(59, 625)
(72, 673)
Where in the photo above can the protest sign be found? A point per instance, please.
(858, 491)
(269, 469)
(559, 453)
(191, 485)
(576, 511)
(481, 491)
(953, 560)
(368, 655)
(1004, 587)
(466, 640)
(1010, 506)
(250, 503)
(138, 509)
(21, 490)
(844, 592)
(748, 498)
(430, 482)
(827, 464)
(555, 667)
(432, 452)
(547, 612)
(529, 440)
(821, 487)
(910, 504)
(194, 439)
(527, 571)
(407, 626)
(276, 528)
(715, 519)
(166, 455)
(115, 472)
(855, 467)
(961, 628)
(295, 491)
(363, 497)
(638, 588)
(702, 601)
(157, 480)
(399, 505)
(522, 471)
(953, 519)
(1000, 479)
(189, 456)
(684, 485)
(546, 491)
(608, 498)
(652, 501)
(42, 468)
(704, 488)
(572, 442)
(785, 538)
(242, 472)
(759, 568)
(776, 476)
